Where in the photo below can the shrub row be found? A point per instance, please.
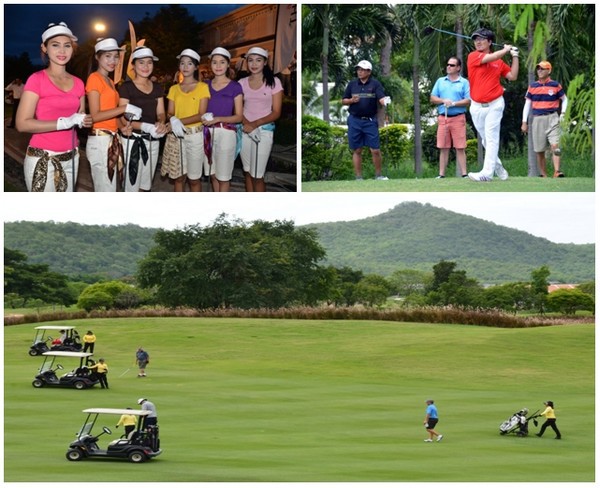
(435, 315)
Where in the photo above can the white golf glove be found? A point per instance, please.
(208, 116)
(514, 52)
(151, 129)
(177, 127)
(387, 100)
(562, 116)
(133, 112)
(64, 123)
(255, 135)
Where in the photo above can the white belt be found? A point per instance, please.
(486, 104)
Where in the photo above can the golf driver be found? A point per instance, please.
(429, 30)
(129, 118)
(124, 372)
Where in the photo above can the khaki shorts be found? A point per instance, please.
(545, 129)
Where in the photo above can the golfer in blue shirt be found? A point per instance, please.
(451, 93)
(363, 96)
(431, 420)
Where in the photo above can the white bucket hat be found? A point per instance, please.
(222, 51)
(258, 50)
(364, 64)
(54, 30)
(190, 53)
(108, 44)
(143, 52)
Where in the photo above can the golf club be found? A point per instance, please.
(73, 178)
(129, 118)
(124, 372)
(429, 30)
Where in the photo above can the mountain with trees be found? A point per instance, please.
(77, 250)
(417, 236)
(411, 236)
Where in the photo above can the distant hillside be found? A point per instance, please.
(416, 236)
(410, 236)
(109, 250)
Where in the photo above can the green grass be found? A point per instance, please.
(513, 184)
(287, 400)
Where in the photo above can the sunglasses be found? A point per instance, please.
(541, 69)
(452, 65)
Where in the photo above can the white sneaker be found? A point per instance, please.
(478, 177)
(501, 172)
(440, 437)
(382, 178)
(427, 440)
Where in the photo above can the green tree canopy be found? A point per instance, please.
(235, 264)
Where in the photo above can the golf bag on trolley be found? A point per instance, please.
(518, 423)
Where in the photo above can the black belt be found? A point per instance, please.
(143, 135)
(453, 115)
(364, 118)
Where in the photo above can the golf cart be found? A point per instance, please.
(40, 344)
(79, 378)
(140, 445)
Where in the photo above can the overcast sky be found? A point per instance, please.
(559, 217)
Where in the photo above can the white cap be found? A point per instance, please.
(143, 52)
(258, 50)
(222, 51)
(364, 64)
(60, 29)
(190, 53)
(107, 45)
(141, 400)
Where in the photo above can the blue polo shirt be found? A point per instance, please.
(432, 409)
(453, 90)
(370, 93)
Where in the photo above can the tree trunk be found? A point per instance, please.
(532, 167)
(417, 108)
(386, 70)
(460, 43)
(325, 64)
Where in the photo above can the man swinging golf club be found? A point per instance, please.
(485, 69)
(363, 96)
(451, 94)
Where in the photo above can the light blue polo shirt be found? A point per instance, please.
(453, 90)
(431, 409)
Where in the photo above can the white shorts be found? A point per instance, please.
(96, 151)
(29, 168)
(249, 155)
(145, 171)
(224, 143)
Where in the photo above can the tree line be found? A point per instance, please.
(234, 264)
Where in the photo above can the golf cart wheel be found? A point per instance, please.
(74, 455)
(137, 457)
(33, 352)
(79, 385)
(37, 383)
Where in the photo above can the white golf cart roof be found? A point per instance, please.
(118, 411)
(68, 354)
(55, 327)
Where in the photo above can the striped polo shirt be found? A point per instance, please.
(545, 97)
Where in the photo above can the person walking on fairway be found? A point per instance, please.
(485, 69)
(142, 359)
(550, 420)
(543, 99)
(363, 95)
(431, 420)
(451, 94)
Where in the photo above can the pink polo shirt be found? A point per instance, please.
(52, 104)
(258, 103)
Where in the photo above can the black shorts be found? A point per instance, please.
(431, 423)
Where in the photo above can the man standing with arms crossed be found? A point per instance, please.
(362, 95)
(485, 69)
(544, 99)
(451, 94)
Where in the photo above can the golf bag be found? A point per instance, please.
(518, 423)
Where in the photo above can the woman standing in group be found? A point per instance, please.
(224, 113)
(53, 103)
(263, 97)
(104, 150)
(183, 155)
(142, 147)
